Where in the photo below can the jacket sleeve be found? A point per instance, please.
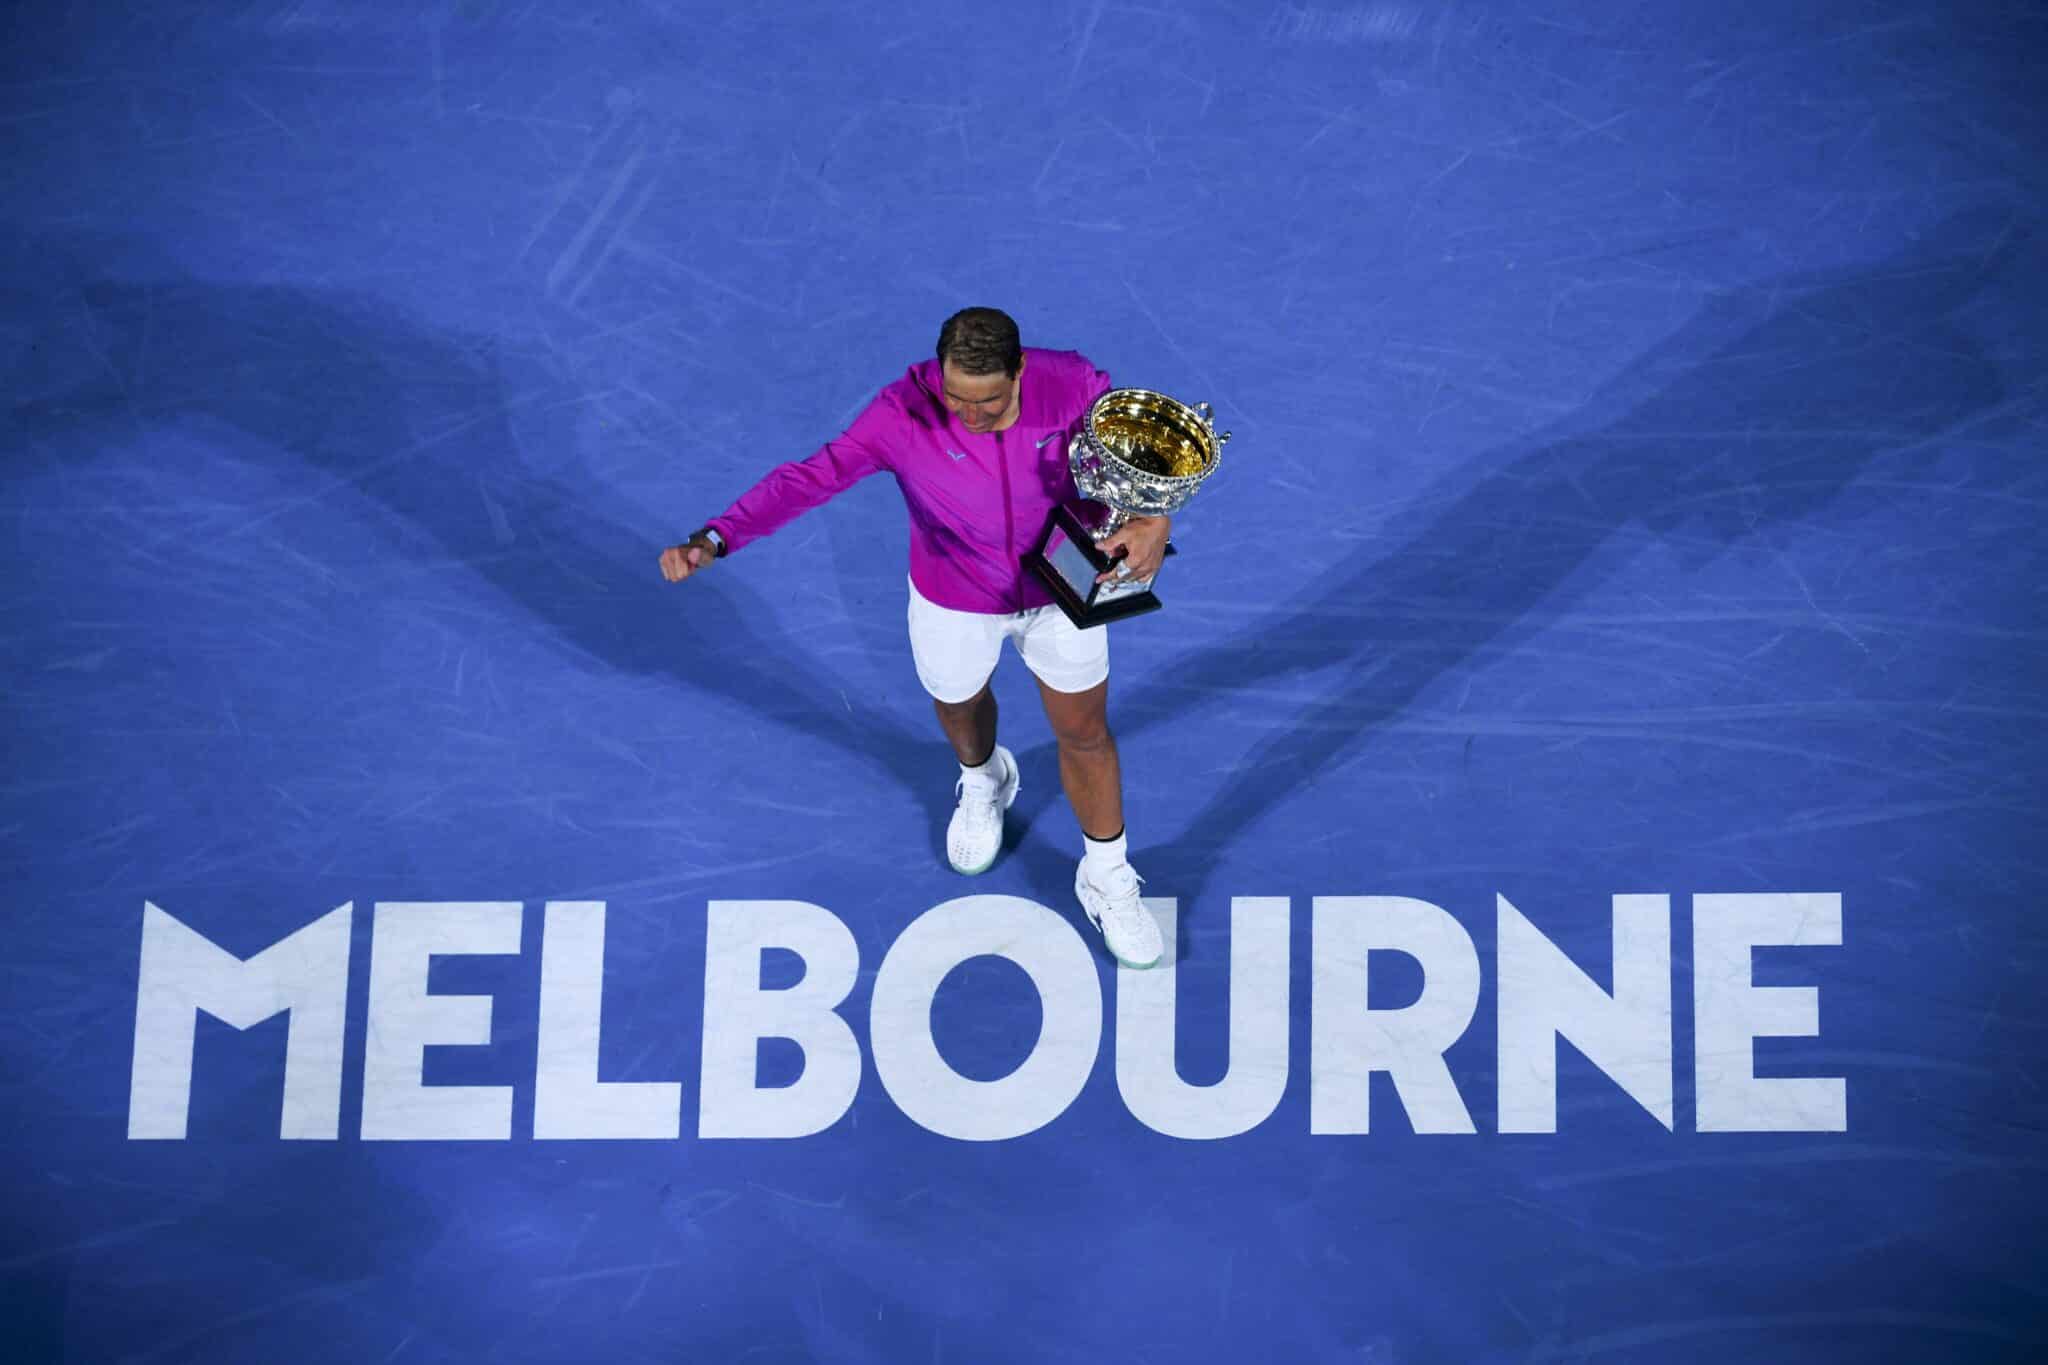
(1086, 384)
(793, 488)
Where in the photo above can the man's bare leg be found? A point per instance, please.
(1088, 763)
(970, 726)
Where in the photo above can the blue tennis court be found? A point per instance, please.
(1588, 766)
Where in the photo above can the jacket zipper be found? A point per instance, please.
(1009, 523)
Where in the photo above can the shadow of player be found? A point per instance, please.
(427, 424)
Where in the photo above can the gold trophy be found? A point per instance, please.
(1138, 454)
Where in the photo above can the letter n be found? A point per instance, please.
(1546, 998)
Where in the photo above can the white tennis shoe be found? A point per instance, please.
(975, 835)
(1114, 908)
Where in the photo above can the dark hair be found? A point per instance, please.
(981, 341)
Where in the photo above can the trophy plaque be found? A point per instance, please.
(1137, 454)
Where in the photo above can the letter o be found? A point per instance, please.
(921, 1082)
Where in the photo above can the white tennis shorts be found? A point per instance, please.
(956, 651)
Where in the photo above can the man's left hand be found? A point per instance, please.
(1143, 540)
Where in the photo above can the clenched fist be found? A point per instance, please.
(680, 561)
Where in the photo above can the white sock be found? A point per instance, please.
(1100, 856)
(991, 772)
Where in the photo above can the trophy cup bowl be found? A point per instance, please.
(1138, 454)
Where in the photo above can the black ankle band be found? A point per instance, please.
(984, 759)
(1110, 840)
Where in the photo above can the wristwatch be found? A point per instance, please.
(710, 533)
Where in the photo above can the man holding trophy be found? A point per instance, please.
(1039, 502)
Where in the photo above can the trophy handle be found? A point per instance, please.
(1208, 416)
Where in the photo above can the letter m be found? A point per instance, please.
(183, 972)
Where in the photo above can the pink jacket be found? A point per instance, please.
(977, 503)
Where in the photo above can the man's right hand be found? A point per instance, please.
(680, 561)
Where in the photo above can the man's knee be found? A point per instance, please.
(1088, 742)
(1081, 729)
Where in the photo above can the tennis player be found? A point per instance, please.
(976, 438)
